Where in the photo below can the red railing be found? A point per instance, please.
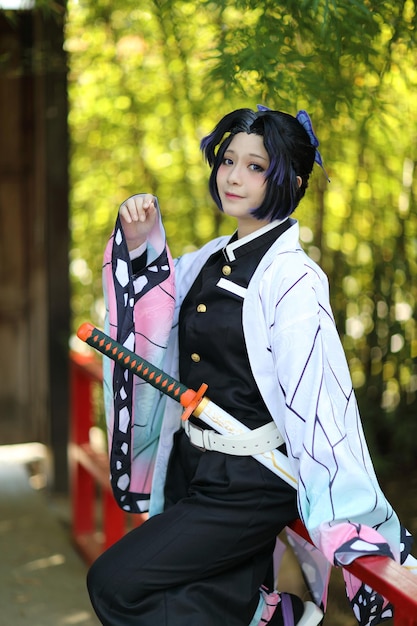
(387, 577)
(97, 521)
(93, 531)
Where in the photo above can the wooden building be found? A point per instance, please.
(34, 232)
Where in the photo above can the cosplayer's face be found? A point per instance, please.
(241, 180)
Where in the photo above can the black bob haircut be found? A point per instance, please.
(290, 152)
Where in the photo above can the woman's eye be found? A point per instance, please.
(227, 161)
(256, 168)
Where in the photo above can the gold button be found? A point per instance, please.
(201, 308)
(195, 357)
(226, 270)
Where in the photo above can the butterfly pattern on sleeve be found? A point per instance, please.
(133, 434)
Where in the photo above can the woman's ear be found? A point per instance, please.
(299, 181)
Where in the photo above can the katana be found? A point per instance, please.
(194, 402)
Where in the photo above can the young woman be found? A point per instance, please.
(250, 316)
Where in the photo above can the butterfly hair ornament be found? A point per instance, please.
(305, 121)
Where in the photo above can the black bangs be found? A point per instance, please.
(239, 121)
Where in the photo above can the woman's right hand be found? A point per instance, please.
(138, 216)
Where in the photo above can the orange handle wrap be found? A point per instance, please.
(140, 367)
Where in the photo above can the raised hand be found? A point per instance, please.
(138, 215)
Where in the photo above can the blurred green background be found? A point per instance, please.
(149, 79)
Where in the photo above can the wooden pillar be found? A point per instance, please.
(23, 386)
(55, 111)
(34, 233)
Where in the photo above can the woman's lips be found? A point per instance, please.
(232, 196)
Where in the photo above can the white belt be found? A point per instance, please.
(262, 439)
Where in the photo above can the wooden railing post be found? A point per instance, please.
(97, 520)
(82, 484)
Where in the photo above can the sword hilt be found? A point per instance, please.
(97, 339)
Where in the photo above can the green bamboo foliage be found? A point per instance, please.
(149, 79)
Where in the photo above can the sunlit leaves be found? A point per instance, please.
(149, 79)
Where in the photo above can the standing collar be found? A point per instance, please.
(238, 247)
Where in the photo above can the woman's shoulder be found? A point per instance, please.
(294, 265)
(288, 268)
(287, 256)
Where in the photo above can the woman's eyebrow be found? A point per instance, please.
(251, 154)
(258, 156)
